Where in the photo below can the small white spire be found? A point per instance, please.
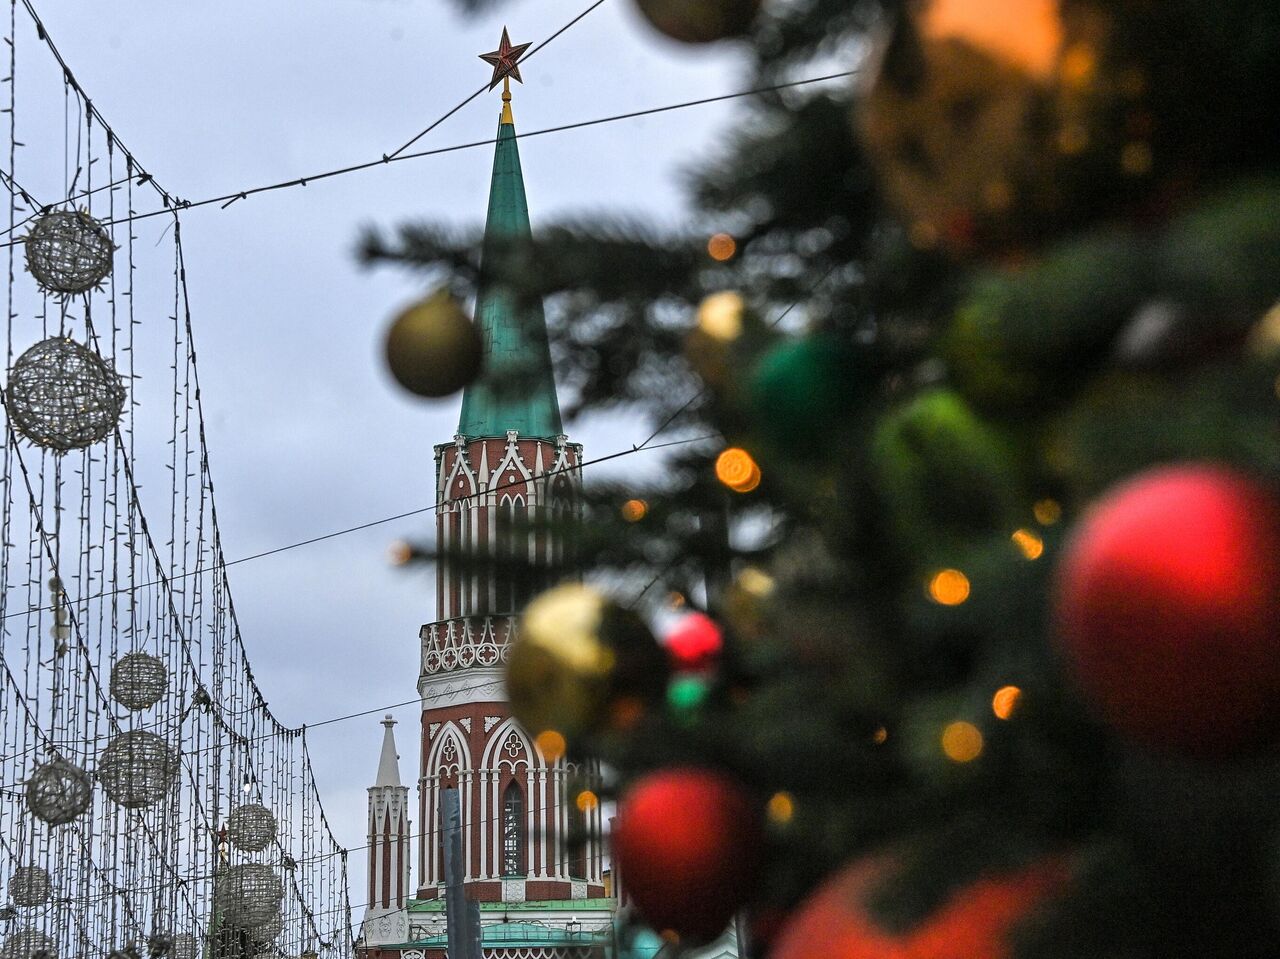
(389, 764)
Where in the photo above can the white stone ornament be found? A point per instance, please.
(250, 894)
(68, 251)
(251, 827)
(28, 943)
(30, 886)
(137, 768)
(58, 792)
(63, 396)
(138, 681)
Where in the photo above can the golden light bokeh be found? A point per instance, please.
(1029, 544)
(948, 587)
(962, 742)
(755, 582)
(880, 736)
(722, 247)
(781, 807)
(1079, 65)
(587, 800)
(551, 744)
(634, 510)
(676, 600)
(720, 316)
(1005, 701)
(399, 553)
(736, 469)
(1047, 512)
(1136, 158)
(1026, 33)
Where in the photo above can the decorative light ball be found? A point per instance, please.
(137, 768)
(251, 827)
(68, 251)
(184, 946)
(28, 943)
(58, 792)
(30, 886)
(433, 348)
(577, 652)
(63, 396)
(975, 922)
(139, 680)
(695, 642)
(250, 894)
(265, 932)
(1168, 609)
(703, 21)
(675, 832)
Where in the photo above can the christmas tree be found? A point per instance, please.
(989, 539)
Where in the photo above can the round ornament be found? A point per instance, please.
(433, 348)
(577, 653)
(28, 943)
(63, 396)
(702, 22)
(975, 922)
(987, 120)
(695, 642)
(797, 391)
(139, 680)
(676, 830)
(251, 827)
(30, 886)
(250, 894)
(58, 792)
(1168, 609)
(184, 946)
(68, 251)
(137, 768)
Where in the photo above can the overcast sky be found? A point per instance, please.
(306, 433)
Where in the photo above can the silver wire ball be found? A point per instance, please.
(28, 943)
(138, 680)
(30, 886)
(250, 894)
(184, 946)
(58, 792)
(68, 251)
(137, 768)
(251, 827)
(63, 396)
(267, 932)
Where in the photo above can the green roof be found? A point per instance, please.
(516, 389)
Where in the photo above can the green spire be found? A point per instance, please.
(517, 389)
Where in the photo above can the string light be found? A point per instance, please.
(736, 469)
(948, 587)
(721, 247)
(1029, 544)
(1005, 701)
(962, 742)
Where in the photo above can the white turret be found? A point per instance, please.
(385, 919)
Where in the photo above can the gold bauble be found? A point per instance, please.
(981, 113)
(433, 347)
(699, 21)
(576, 653)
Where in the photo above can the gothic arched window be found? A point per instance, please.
(513, 830)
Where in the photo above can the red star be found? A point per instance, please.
(504, 59)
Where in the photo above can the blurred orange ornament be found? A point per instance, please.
(736, 469)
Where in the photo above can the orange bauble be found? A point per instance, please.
(974, 923)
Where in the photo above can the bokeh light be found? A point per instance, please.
(686, 692)
(587, 800)
(1026, 33)
(720, 316)
(399, 553)
(755, 582)
(722, 247)
(962, 742)
(626, 712)
(948, 587)
(781, 807)
(1029, 544)
(880, 736)
(695, 641)
(551, 744)
(1005, 701)
(1136, 158)
(736, 469)
(634, 510)
(1047, 512)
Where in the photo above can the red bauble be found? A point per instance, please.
(973, 923)
(695, 643)
(1168, 609)
(687, 844)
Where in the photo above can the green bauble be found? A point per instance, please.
(798, 391)
(945, 475)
